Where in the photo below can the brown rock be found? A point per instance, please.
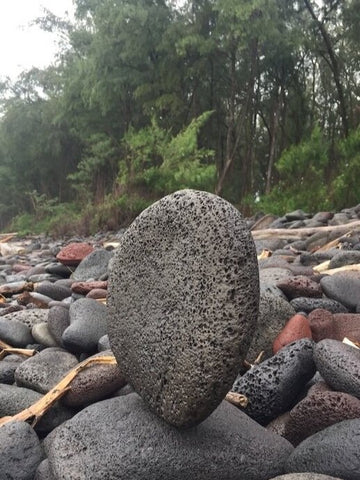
(296, 328)
(73, 253)
(97, 293)
(94, 383)
(324, 324)
(321, 408)
(20, 267)
(85, 287)
(299, 286)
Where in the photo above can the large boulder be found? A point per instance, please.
(183, 302)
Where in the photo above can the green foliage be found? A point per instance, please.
(302, 170)
(345, 187)
(162, 163)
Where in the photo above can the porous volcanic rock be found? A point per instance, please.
(183, 303)
(73, 253)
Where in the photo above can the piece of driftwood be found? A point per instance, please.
(346, 268)
(300, 233)
(39, 408)
(6, 349)
(5, 237)
(352, 343)
(237, 399)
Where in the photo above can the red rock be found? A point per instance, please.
(97, 293)
(85, 287)
(20, 267)
(300, 286)
(73, 253)
(296, 328)
(336, 326)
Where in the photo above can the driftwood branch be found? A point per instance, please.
(299, 233)
(237, 399)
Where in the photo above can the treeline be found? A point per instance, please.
(257, 101)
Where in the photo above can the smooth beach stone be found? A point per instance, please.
(273, 275)
(324, 324)
(344, 257)
(43, 371)
(52, 290)
(20, 451)
(15, 333)
(42, 335)
(183, 299)
(339, 365)
(94, 266)
(122, 439)
(43, 471)
(300, 286)
(296, 328)
(87, 326)
(58, 321)
(334, 451)
(305, 476)
(343, 287)
(273, 386)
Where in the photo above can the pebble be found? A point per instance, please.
(41, 334)
(307, 305)
(28, 317)
(343, 287)
(58, 321)
(73, 253)
(300, 286)
(94, 266)
(296, 328)
(337, 326)
(53, 290)
(177, 333)
(15, 333)
(339, 365)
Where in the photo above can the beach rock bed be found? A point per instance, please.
(301, 415)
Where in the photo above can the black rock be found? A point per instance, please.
(307, 305)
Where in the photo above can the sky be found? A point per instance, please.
(23, 46)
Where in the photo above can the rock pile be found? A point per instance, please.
(182, 308)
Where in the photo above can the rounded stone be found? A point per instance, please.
(305, 476)
(339, 365)
(122, 439)
(52, 290)
(307, 305)
(58, 321)
(183, 303)
(296, 328)
(300, 286)
(333, 451)
(28, 317)
(343, 287)
(73, 253)
(20, 451)
(94, 266)
(15, 333)
(42, 335)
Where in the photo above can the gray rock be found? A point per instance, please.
(343, 287)
(339, 365)
(307, 305)
(43, 277)
(15, 333)
(8, 365)
(334, 451)
(339, 219)
(273, 275)
(296, 215)
(121, 439)
(183, 301)
(54, 291)
(273, 386)
(14, 399)
(28, 317)
(43, 371)
(305, 476)
(20, 451)
(93, 266)
(59, 269)
(104, 343)
(87, 326)
(344, 257)
(58, 321)
(42, 335)
(43, 471)
(274, 312)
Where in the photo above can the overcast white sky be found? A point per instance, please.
(22, 46)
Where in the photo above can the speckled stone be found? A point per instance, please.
(343, 287)
(274, 312)
(273, 386)
(94, 266)
(8, 365)
(305, 476)
(300, 286)
(339, 365)
(183, 302)
(307, 305)
(334, 451)
(94, 383)
(344, 257)
(43, 471)
(28, 317)
(122, 439)
(324, 324)
(15, 333)
(52, 290)
(320, 408)
(20, 451)
(45, 370)
(86, 287)
(73, 253)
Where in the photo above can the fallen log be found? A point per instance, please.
(300, 233)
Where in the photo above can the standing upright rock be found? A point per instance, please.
(183, 300)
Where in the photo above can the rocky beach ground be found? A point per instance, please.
(299, 417)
